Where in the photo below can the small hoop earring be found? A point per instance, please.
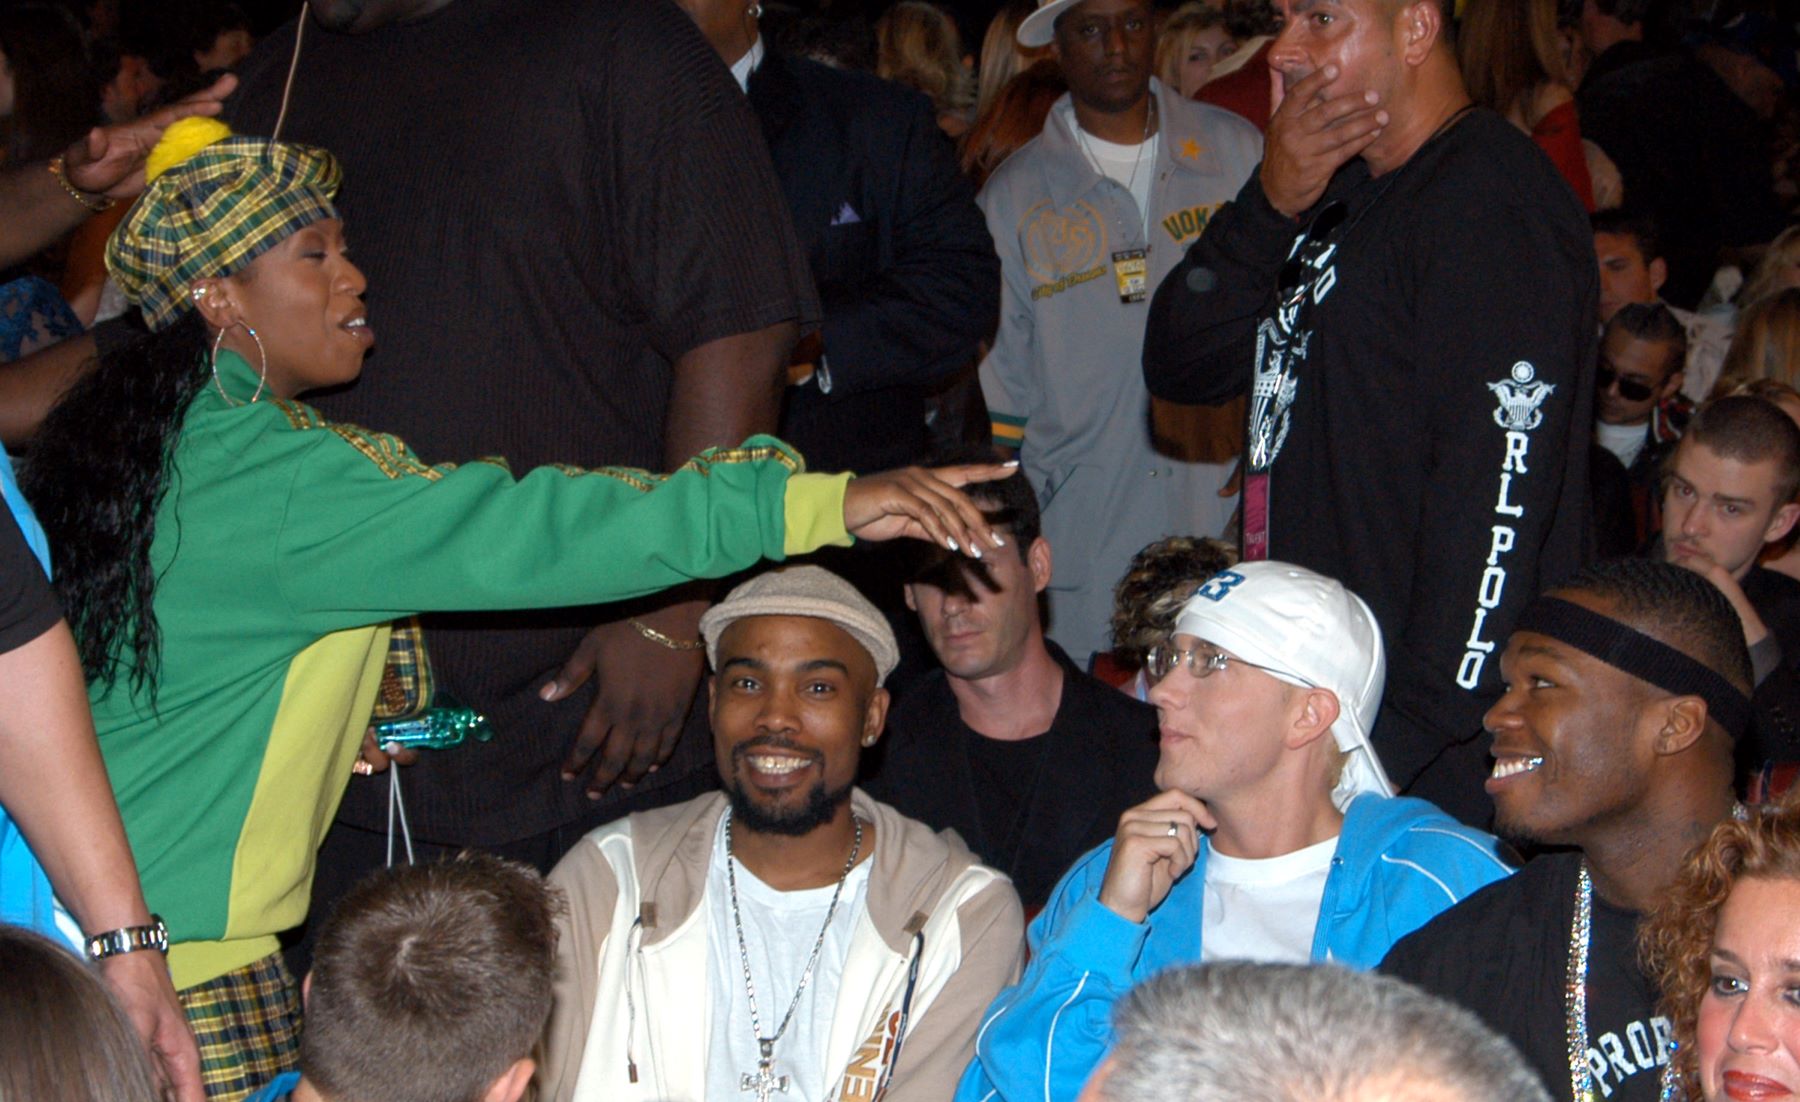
(262, 354)
(754, 11)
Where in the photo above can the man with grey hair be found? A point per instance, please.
(788, 935)
(1245, 1032)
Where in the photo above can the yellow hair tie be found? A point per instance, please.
(182, 140)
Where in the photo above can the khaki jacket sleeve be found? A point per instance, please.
(992, 927)
(591, 891)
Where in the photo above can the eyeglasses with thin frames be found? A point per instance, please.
(1202, 662)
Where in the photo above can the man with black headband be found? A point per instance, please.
(1625, 689)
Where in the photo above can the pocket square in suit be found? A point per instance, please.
(846, 216)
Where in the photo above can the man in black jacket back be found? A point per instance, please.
(906, 272)
(1407, 290)
(1689, 152)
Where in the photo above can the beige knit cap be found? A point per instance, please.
(805, 591)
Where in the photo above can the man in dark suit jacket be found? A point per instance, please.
(906, 271)
(1010, 744)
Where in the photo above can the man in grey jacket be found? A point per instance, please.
(790, 935)
(1088, 218)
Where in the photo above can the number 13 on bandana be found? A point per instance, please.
(1131, 270)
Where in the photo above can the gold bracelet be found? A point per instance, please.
(95, 203)
(662, 640)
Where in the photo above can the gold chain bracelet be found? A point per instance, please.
(662, 640)
(95, 203)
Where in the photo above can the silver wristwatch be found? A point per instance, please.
(129, 939)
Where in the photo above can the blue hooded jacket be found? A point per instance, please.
(1399, 862)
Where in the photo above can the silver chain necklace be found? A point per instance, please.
(765, 1082)
(1082, 140)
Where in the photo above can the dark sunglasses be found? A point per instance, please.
(1318, 236)
(1629, 389)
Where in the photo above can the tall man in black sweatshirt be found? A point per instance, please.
(1407, 291)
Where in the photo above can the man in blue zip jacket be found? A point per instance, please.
(1276, 836)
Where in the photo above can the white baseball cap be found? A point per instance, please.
(1039, 28)
(1306, 629)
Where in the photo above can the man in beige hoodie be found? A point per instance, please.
(788, 936)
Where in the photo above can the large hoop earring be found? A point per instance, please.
(262, 354)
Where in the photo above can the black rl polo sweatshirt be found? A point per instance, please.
(1427, 392)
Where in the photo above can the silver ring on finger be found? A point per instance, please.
(1174, 828)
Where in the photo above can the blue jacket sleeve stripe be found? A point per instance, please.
(1481, 847)
(1422, 871)
(1050, 1048)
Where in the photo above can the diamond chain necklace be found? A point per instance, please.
(765, 1081)
(1581, 1076)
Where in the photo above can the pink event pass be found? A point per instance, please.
(1256, 517)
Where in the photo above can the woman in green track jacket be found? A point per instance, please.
(230, 560)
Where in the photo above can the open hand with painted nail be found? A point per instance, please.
(918, 503)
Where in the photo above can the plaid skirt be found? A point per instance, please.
(248, 1025)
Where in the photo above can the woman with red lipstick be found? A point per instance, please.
(230, 561)
(1726, 948)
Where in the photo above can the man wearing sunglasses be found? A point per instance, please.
(1276, 836)
(1639, 410)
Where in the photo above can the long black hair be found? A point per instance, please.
(96, 473)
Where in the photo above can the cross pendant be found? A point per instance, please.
(765, 1082)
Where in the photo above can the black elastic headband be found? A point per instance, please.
(1625, 648)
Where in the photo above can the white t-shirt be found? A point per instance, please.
(1624, 441)
(779, 931)
(1132, 166)
(1264, 909)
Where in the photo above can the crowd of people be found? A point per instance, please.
(1235, 551)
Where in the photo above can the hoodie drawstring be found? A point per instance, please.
(906, 998)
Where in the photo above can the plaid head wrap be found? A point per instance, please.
(214, 203)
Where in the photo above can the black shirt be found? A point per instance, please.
(27, 610)
(1504, 953)
(1031, 808)
(1004, 774)
(1431, 433)
(552, 202)
(1775, 725)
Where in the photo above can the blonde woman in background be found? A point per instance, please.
(1778, 270)
(1767, 344)
(1002, 58)
(917, 45)
(1193, 40)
